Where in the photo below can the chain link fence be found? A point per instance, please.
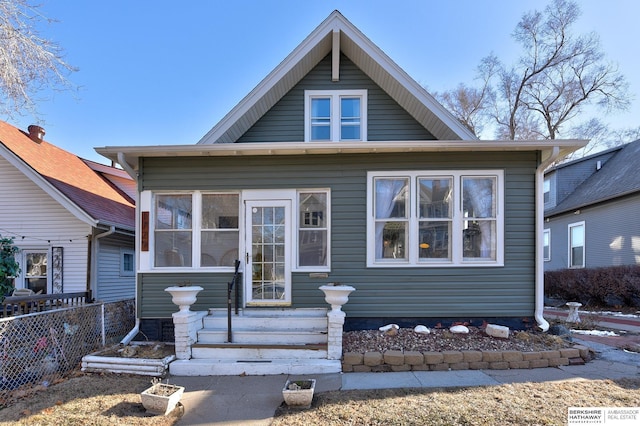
(40, 348)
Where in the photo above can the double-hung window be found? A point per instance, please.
(313, 230)
(444, 218)
(546, 246)
(576, 245)
(335, 115)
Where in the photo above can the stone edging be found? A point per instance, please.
(395, 360)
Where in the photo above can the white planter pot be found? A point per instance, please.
(299, 398)
(184, 297)
(161, 398)
(336, 295)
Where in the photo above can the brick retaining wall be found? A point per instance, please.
(396, 360)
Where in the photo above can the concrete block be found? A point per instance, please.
(420, 367)
(530, 356)
(394, 357)
(459, 366)
(480, 365)
(413, 358)
(353, 358)
(452, 357)
(491, 356)
(372, 358)
(361, 369)
(499, 365)
(433, 358)
(556, 362)
(472, 356)
(403, 367)
(550, 354)
(569, 353)
(439, 367)
(347, 368)
(384, 368)
(511, 356)
(539, 363)
(519, 364)
(497, 331)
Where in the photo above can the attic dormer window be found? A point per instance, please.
(335, 115)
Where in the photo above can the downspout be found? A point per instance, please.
(136, 328)
(94, 259)
(539, 293)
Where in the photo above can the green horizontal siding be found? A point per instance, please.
(284, 122)
(381, 292)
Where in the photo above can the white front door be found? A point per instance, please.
(267, 277)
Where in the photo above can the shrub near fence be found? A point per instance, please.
(613, 286)
(40, 348)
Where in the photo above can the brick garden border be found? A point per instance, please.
(395, 360)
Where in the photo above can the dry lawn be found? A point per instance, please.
(94, 399)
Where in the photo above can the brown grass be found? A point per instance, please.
(108, 399)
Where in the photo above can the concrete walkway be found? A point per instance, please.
(253, 400)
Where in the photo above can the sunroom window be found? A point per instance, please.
(335, 115)
(313, 231)
(420, 218)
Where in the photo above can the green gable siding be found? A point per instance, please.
(381, 292)
(284, 122)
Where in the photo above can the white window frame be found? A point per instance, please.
(123, 272)
(546, 242)
(335, 115)
(570, 245)
(295, 248)
(457, 256)
(546, 191)
(145, 263)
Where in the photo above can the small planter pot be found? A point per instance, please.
(161, 398)
(299, 393)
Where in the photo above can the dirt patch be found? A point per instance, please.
(150, 351)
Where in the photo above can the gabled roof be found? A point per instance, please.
(364, 54)
(68, 179)
(619, 176)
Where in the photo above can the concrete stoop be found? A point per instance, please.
(264, 342)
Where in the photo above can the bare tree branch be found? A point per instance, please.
(29, 63)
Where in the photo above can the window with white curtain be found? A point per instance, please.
(444, 218)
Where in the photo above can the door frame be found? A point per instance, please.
(266, 198)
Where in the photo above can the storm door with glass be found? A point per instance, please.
(268, 258)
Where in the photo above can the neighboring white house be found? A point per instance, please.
(72, 219)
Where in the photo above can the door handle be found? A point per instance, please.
(247, 257)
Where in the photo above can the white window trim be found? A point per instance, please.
(457, 221)
(295, 249)
(584, 245)
(547, 233)
(145, 262)
(123, 272)
(335, 96)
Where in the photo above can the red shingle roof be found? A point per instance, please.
(72, 177)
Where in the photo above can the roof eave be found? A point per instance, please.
(131, 154)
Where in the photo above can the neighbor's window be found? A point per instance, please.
(546, 244)
(335, 115)
(219, 229)
(313, 235)
(445, 218)
(576, 245)
(547, 190)
(127, 262)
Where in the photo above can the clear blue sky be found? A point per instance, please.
(165, 72)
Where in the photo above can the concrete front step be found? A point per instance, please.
(281, 337)
(268, 319)
(209, 367)
(250, 352)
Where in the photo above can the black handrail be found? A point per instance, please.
(229, 288)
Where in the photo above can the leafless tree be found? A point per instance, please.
(556, 77)
(29, 63)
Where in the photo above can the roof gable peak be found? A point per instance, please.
(337, 31)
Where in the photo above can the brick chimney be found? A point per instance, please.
(36, 133)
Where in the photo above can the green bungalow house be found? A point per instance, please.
(337, 168)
